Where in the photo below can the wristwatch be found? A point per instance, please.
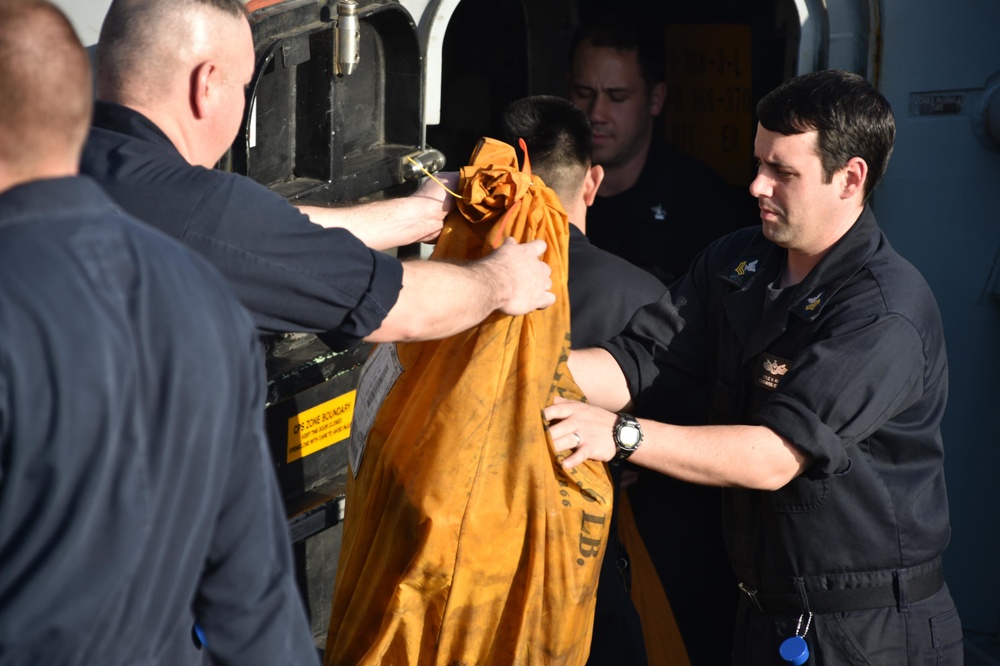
(628, 435)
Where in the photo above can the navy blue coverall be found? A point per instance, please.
(136, 488)
(849, 365)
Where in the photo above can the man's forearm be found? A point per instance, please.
(440, 299)
(381, 225)
(741, 456)
(437, 300)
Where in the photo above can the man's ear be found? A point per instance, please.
(855, 173)
(591, 183)
(657, 98)
(204, 79)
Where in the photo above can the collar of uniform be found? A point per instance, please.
(75, 195)
(841, 263)
(123, 120)
(756, 259)
(749, 271)
(661, 162)
(577, 236)
(744, 270)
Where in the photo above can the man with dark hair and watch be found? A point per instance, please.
(823, 351)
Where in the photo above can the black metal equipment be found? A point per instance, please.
(334, 110)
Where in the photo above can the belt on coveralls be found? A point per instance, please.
(903, 590)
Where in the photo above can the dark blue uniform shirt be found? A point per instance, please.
(291, 274)
(136, 490)
(675, 209)
(604, 292)
(850, 366)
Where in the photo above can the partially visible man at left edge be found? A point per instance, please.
(136, 490)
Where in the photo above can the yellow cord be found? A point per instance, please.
(434, 178)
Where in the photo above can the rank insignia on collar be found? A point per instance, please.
(813, 302)
(659, 212)
(744, 269)
(770, 370)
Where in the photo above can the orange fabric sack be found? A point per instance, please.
(465, 542)
(662, 637)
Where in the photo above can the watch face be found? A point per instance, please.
(628, 436)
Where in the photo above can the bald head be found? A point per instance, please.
(184, 64)
(147, 47)
(45, 90)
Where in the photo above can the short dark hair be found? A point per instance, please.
(558, 138)
(851, 119)
(627, 33)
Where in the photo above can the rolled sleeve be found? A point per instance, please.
(293, 274)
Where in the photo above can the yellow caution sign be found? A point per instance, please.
(318, 427)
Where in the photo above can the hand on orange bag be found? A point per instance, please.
(582, 428)
(439, 200)
(524, 281)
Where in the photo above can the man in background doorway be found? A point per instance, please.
(658, 208)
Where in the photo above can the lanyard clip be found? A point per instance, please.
(752, 593)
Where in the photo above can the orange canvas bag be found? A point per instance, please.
(465, 542)
(662, 637)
